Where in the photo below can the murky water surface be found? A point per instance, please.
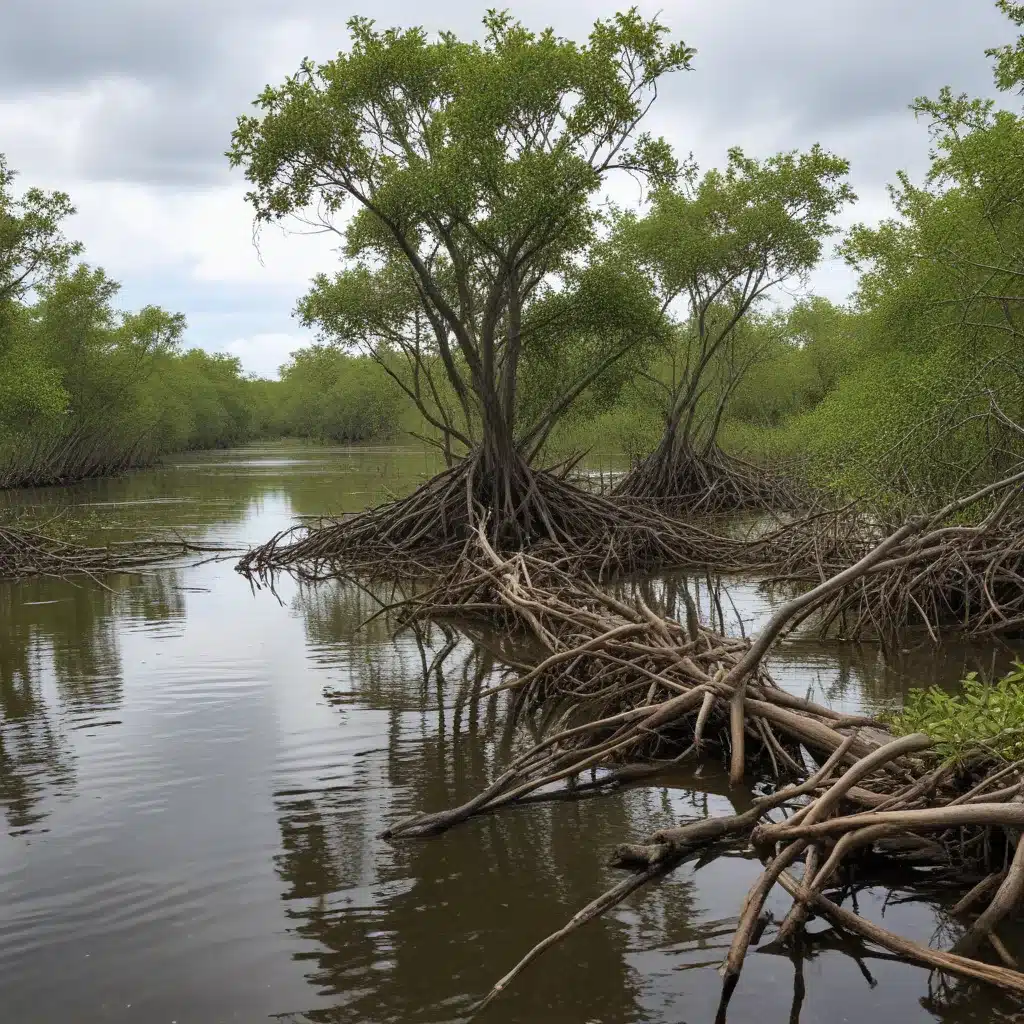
(193, 777)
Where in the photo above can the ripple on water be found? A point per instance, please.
(195, 777)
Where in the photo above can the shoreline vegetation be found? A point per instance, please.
(490, 305)
(87, 389)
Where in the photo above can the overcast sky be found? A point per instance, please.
(129, 106)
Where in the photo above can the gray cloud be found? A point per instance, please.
(805, 66)
(62, 43)
(171, 137)
(829, 62)
(146, 93)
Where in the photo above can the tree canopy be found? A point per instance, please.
(718, 243)
(468, 172)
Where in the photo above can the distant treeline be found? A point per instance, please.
(87, 389)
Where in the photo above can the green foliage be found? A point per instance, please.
(472, 170)
(497, 136)
(939, 320)
(762, 218)
(983, 718)
(88, 389)
(720, 243)
(33, 249)
(1009, 59)
(625, 429)
(608, 316)
(331, 396)
(194, 400)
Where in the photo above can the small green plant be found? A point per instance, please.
(982, 716)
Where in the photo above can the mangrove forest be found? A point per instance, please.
(588, 601)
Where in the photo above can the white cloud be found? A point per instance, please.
(203, 233)
(130, 106)
(264, 354)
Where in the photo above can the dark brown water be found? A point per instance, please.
(193, 776)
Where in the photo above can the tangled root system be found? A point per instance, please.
(708, 482)
(625, 692)
(960, 576)
(522, 510)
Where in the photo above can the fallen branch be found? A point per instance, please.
(24, 554)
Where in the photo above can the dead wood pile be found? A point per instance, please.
(624, 692)
(27, 553)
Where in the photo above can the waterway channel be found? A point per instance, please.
(194, 774)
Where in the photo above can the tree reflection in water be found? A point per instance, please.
(60, 668)
(421, 930)
(447, 916)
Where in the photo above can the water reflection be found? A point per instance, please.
(382, 916)
(60, 670)
(220, 489)
(194, 778)
(431, 933)
(33, 756)
(384, 938)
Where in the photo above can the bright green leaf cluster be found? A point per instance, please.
(1009, 59)
(983, 719)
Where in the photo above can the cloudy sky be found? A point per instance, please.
(129, 106)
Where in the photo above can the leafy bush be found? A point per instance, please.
(982, 716)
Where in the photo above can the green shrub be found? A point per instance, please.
(981, 717)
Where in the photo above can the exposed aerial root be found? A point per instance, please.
(532, 510)
(697, 482)
(953, 575)
(630, 688)
(624, 692)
